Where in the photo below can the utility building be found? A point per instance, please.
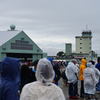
(68, 48)
(14, 43)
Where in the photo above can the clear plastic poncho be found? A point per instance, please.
(44, 71)
(90, 80)
(43, 88)
(70, 72)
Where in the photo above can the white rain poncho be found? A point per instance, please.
(97, 72)
(43, 88)
(89, 79)
(71, 71)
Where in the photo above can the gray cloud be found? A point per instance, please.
(52, 23)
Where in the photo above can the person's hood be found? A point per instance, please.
(44, 71)
(93, 66)
(50, 59)
(70, 63)
(83, 61)
(89, 65)
(10, 69)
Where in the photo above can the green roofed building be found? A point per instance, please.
(17, 44)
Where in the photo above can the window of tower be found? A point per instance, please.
(80, 38)
(80, 47)
(80, 43)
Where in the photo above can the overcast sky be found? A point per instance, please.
(52, 23)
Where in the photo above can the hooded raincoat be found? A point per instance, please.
(98, 84)
(10, 74)
(56, 70)
(98, 66)
(43, 88)
(97, 72)
(90, 80)
(70, 72)
(82, 68)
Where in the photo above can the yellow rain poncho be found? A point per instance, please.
(82, 68)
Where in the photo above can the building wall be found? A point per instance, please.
(2, 56)
(15, 46)
(68, 48)
(83, 44)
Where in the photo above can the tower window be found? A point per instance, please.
(80, 43)
(80, 38)
(80, 47)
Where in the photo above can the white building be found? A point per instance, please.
(83, 43)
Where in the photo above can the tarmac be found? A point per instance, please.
(65, 91)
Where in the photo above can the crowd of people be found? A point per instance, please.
(88, 73)
(38, 80)
(28, 81)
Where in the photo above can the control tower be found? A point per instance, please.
(83, 43)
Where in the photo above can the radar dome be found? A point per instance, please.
(12, 27)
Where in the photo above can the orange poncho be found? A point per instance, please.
(82, 68)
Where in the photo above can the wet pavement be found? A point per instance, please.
(65, 91)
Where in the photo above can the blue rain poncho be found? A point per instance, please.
(43, 88)
(10, 74)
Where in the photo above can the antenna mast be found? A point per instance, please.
(86, 27)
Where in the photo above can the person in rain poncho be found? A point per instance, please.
(72, 76)
(56, 70)
(90, 80)
(43, 88)
(97, 72)
(82, 68)
(98, 67)
(10, 79)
